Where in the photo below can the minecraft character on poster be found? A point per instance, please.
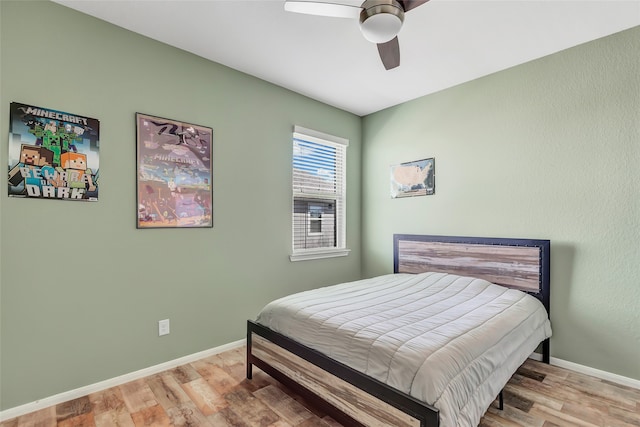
(48, 137)
(59, 139)
(34, 168)
(74, 171)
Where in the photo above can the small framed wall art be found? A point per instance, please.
(415, 178)
(174, 173)
(53, 154)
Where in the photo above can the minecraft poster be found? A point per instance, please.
(174, 173)
(53, 154)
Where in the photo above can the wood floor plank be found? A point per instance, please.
(558, 417)
(219, 378)
(601, 390)
(593, 415)
(213, 392)
(187, 415)
(531, 373)
(546, 369)
(185, 373)
(320, 413)
(514, 415)
(109, 409)
(489, 422)
(280, 423)
(84, 420)
(167, 391)
(633, 393)
(107, 400)
(313, 422)
(516, 400)
(618, 414)
(151, 416)
(260, 380)
(331, 422)
(233, 362)
(492, 419)
(73, 408)
(250, 409)
(137, 395)
(219, 420)
(587, 395)
(232, 418)
(558, 391)
(42, 418)
(114, 418)
(285, 406)
(206, 398)
(535, 395)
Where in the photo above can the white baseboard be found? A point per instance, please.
(603, 375)
(113, 382)
(597, 373)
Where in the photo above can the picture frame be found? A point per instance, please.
(53, 154)
(174, 173)
(416, 178)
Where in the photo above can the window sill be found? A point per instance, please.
(318, 254)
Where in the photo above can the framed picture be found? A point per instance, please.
(174, 177)
(52, 154)
(417, 178)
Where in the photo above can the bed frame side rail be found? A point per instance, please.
(426, 414)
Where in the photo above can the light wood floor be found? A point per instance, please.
(214, 392)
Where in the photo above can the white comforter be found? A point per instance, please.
(447, 340)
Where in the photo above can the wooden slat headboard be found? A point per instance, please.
(514, 263)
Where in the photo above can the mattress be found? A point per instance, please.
(450, 341)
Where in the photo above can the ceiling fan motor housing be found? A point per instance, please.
(381, 20)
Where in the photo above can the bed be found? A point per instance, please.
(380, 352)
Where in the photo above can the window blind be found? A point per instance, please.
(319, 188)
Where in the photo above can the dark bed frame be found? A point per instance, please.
(356, 400)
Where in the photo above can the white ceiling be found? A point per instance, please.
(443, 42)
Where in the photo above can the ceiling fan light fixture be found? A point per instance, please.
(381, 20)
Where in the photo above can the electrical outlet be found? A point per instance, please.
(163, 327)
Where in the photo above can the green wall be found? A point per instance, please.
(549, 149)
(82, 289)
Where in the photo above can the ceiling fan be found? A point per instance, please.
(380, 21)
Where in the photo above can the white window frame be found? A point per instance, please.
(339, 196)
(310, 220)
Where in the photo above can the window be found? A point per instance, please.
(315, 212)
(319, 195)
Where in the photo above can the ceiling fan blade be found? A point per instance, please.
(390, 53)
(322, 9)
(407, 5)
